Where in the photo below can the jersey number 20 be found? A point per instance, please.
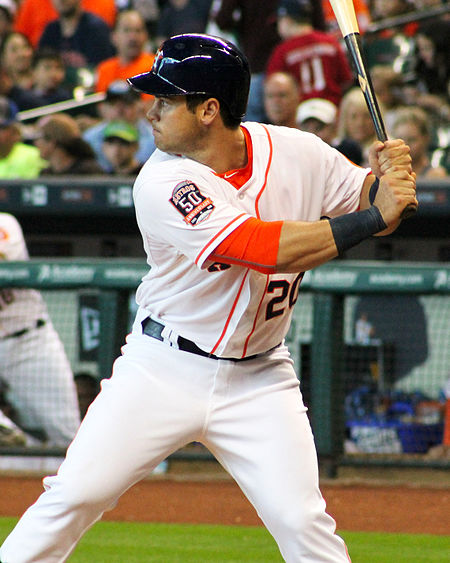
(284, 290)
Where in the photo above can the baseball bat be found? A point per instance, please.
(73, 103)
(348, 24)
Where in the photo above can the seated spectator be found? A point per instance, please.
(16, 71)
(130, 39)
(182, 16)
(23, 98)
(354, 121)
(120, 144)
(48, 74)
(319, 116)
(88, 387)
(82, 38)
(7, 14)
(314, 58)
(432, 60)
(16, 56)
(281, 99)
(17, 159)
(412, 124)
(60, 143)
(33, 15)
(33, 362)
(124, 104)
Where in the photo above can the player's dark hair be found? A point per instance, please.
(194, 100)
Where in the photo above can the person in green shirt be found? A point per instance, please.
(17, 159)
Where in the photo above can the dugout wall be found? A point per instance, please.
(370, 342)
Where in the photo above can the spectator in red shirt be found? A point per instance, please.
(313, 57)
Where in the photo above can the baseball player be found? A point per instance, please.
(230, 216)
(33, 362)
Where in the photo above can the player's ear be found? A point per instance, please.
(209, 110)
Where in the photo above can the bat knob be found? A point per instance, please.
(408, 212)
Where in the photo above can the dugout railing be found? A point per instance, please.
(376, 395)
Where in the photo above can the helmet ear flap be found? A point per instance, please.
(199, 64)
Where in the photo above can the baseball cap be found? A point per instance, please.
(316, 108)
(9, 6)
(121, 130)
(295, 9)
(121, 90)
(8, 112)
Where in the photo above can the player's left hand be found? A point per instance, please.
(397, 191)
(389, 156)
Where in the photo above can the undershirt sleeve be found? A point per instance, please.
(254, 244)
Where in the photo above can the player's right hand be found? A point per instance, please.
(397, 190)
(389, 156)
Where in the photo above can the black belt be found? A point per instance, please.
(154, 329)
(37, 324)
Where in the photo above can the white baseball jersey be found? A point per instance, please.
(19, 308)
(184, 210)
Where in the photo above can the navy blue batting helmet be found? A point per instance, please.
(199, 64)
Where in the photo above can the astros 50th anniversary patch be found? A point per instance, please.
(191, 203)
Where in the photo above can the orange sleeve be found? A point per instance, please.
(254, 244)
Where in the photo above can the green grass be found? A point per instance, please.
(397, 548)
(125, 542)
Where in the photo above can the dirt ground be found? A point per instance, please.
(390, 501)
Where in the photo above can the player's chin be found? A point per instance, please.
(162, 146)
(157, 138)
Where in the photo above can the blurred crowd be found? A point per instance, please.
(65, 107)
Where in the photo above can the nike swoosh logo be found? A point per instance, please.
(231, 174)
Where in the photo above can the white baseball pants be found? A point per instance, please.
(249, 414)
